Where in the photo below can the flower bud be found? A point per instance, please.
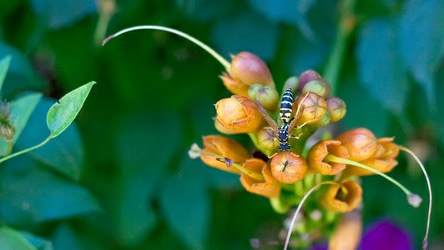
(267, 141)
(342, 197)
(317, 154)
(7, 130)
(217, 147)
(360, 143)
(313, 109)
(307, 76)
(236, 115)
(288, 167)
(267, 96)
(336, 108)
(319, 87)
(291, 83)
(250, 69)
(347, 234)
(384, 159)
(234, 86)
(269, 187)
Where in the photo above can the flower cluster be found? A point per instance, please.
(285, 176)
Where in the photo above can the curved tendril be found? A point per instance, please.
(298, 209)
(336, 159)
(194, 40)
(429, 186)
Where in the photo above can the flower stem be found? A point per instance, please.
(429, 186)
(346, 26)
(298, 209)
(412, 198)
(194, 40)
(26, 150)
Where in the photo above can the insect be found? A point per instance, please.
(287, 122)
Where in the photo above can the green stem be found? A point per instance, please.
(346, 25)
(332, 158)
(26, 150)
(429, 187)
(298, 209)
(205, 47)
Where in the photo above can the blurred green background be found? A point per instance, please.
(121, 178)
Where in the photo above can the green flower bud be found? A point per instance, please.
(267, 141)
(319, 87)
(336, 108)
(291, 83)
(265, 95)
(307, 76)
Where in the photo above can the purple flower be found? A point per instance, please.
(385, 235)
(382, 235)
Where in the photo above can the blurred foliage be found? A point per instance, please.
(120, 178)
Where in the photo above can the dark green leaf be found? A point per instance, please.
(37, 242)
(145, 145)
(381, 70)
(13, 240)
(66, 239)
(246, 32)
(4, 65)
(63, 113)
(29, 194)
(185, 203)
(60, 13)
(64, 154)
(422, 41)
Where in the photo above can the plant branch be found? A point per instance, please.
(346, 25)
(26, 150)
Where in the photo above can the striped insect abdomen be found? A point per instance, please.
(286, 106)
(283, 137)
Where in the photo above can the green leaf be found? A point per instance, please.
(185, 202)
(21, 110)
(21, 75)
(29, 194)
(422, 41)
(258, 35)
(13, 240)
(66, 239)
(63, 154)
(61, 13)
(381, 69)
(63, 113)
(37, 242)
(4, 65)
(145, 145)
(288, 11)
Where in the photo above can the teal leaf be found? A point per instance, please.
(4, 65)
(21, 110)
(381, 70)
(21, 75)
(63, 154)
(29, 194)
(287, 11)
(37, 242)
(13, 240)
(185, 203)
(66, 239)
(61, 13)
(422, 41)
(145, 145)
(258, 35)
(63, 113)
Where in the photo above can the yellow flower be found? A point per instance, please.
(267, 187)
